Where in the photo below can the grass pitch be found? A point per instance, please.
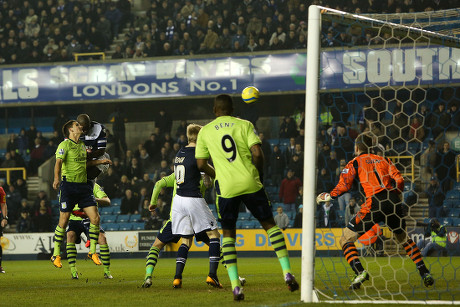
(38, 283)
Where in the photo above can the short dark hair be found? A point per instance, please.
(364, 142)
(66, 127)
(224, 103)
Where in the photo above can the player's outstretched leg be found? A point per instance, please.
(105, 257)
(93, 237)
(414, 253)
(214, 257)
(152, 259)
(279, 245)
(72, 259)
(58, 237)
(181, 259)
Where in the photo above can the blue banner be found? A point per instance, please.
(351, 69)
(389, 67)
(151, 79)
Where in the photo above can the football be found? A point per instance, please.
(323, 197)
(250, 94)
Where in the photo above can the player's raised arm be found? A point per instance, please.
(165, 182)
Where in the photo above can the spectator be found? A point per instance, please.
(417, 132)
(23, 143)
(114, 16)
(438, 241)
(13, 199)
(129, 203)
(118, 121)
(42, 221)
(439, 120)
(445, 166)
(298, 218)
(277, 165)
(327, 217)
(281, 219)
(454, 113)
(36, 156)
(110, 183)
(435, 198)
(289, 190)
(21, 187)
(154, 222)
(351, 210)
(323, 181)
(12, 143)
(24, 223)
(288, 128)
(163, 121)
(8, 162)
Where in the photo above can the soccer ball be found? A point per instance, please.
(323, 197)
(250, 94)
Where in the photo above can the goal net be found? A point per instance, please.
(397, 78)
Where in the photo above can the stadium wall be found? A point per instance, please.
(248, 242)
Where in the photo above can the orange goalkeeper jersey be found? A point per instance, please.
(374, 173)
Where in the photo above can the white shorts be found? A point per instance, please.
(190, 215)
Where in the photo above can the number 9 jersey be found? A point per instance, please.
(228, 141)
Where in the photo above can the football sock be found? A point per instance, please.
(181, 259)
(71, 256)
(214, 256)
(105, 256)
(58, 237)
(351, 255)
(152, 259)
(93, 237)
(414, 253)
(279, 245)
(229, 251)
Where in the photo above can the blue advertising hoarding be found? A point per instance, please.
(340, 69)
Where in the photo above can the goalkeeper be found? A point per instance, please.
(375, 175)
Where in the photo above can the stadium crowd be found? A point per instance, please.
(52, 31)
(135, 170)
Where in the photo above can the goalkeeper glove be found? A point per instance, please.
(323, 197)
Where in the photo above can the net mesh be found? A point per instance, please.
(383, 75)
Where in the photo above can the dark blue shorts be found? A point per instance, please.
(166, 236)
(72, 193)
(257, 203)
(80, 227)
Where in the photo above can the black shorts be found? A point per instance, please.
(72, 193)
(257, 203)
(166, 236)
(1, 231)
(386, 207)
(80, 227)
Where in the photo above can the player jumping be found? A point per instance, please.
(78, 224)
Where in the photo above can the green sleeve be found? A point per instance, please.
(164, 182)
(201, 150)
(253, 138)
(98, 191)
(61, 151)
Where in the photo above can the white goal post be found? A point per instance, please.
(308, 293)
